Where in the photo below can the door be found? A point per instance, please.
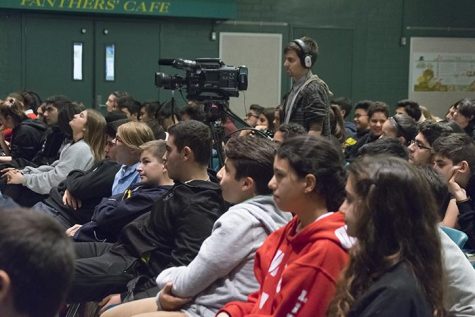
(131, 48)
(52, 66)
(49, 42)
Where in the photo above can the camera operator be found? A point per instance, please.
(307, 103)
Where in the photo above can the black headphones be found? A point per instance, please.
(304, 53)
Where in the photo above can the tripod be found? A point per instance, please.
(216, 112)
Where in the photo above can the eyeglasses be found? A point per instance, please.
(419, 145)
(117, 139)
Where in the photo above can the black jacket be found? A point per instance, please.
(395, 294)
(172, 233)
(89, 187)
(48, 152)
(113, 213)
(466, 218)
(26, 139)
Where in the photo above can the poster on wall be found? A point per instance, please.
(443, 72)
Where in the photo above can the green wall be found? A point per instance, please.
(360, 41)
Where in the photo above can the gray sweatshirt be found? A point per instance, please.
(223, 269)
(41, 179)
(460, 279)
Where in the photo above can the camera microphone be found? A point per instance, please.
(166, 61)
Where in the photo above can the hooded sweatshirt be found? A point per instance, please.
(223, 269)
(297, 270)
(26, 139)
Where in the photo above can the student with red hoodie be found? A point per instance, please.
(298, 265)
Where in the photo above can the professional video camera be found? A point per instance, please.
(206, 79)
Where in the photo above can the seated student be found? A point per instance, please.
(298, 265)
(57, 112)
(410, 108)
(130, 107)
(26, 133)
(36, 264)
(148, 115)
(170, 235)
(459, 275)
(73, 200)
(464, 116)
(455, 161)
(361, 118)
(222, 270)
(388, 203)
(402, 127)
(378, 113)
(128, 139)
(420, 149)
(88, 129)
(114, 212)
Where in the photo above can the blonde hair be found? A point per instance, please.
(95, 133)
(134, 134)
(156, 147)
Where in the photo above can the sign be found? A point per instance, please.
(444, 72)
(220, 9)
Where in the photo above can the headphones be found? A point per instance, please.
(304, 53)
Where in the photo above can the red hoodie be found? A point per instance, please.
(297, 272)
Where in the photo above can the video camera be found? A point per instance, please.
(206, 79)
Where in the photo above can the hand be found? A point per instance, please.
(14, 177)
(107, 302)
(223, 314)
(70, 232)
(8, 169)
(70, 201)
(455, 189)
(168, 302)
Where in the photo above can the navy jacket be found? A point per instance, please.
(113, 213)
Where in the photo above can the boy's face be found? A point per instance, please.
(151, 168)
(376, 123)
(420, 151)
(173, 159)
(233, 190)
(444, 167)
(361, 119)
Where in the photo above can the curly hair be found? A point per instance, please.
(394, 203)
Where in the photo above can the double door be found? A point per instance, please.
(85, 58)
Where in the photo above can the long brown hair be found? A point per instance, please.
(396, 220)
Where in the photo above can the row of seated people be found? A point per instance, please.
(386, 203)
(137, 260)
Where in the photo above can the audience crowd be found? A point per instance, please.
(317, 216)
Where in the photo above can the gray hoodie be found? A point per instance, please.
(460, 279)
(223, 269)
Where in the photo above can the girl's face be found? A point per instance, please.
(263, 122)
(287, 187)
(349, 207)
(78, 123)
(6, 122)
(461, 120)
